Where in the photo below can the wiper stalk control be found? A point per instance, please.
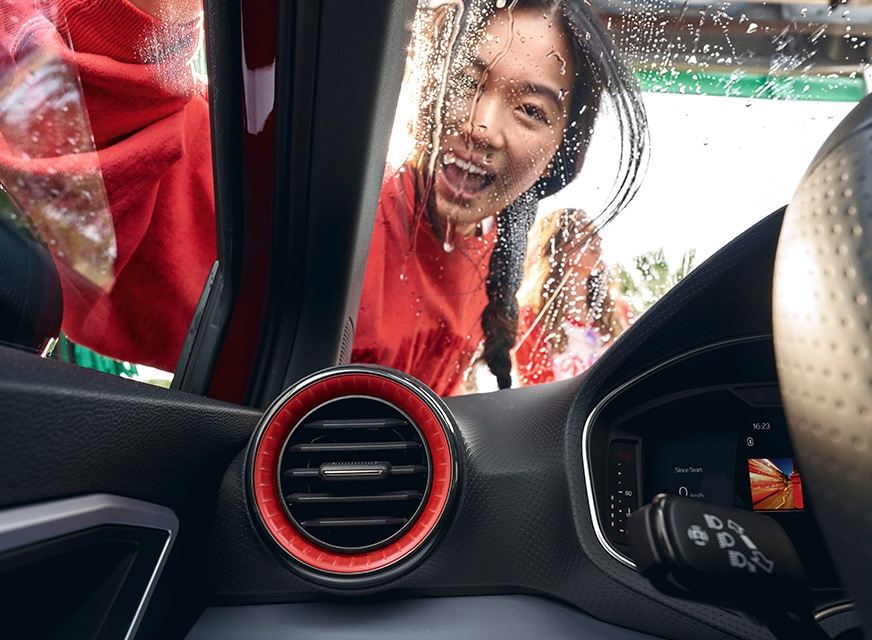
(727, 557)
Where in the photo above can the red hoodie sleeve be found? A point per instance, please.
(107, 145)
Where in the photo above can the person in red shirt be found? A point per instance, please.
(569, 314)
(104, 138)
(524, 88)
(509, 112)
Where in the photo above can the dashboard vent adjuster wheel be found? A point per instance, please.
(351, 471)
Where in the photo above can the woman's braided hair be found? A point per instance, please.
(599, 72)
(600, 76)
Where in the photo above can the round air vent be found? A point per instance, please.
(351, 472)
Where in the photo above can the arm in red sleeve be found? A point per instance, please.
(118, 131)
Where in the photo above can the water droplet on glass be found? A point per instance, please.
(752, 27)
(554, 54)
(450, 229)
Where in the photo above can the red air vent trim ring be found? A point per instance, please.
(297, 407)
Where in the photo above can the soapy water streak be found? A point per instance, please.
(50, 163)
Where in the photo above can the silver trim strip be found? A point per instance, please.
(28, 525)
(834, 610)
(588, 427)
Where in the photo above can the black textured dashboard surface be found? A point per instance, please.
(71, 431)
(522, 525)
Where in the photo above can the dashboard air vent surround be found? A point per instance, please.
(351, 472)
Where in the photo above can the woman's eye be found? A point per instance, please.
(532, 111)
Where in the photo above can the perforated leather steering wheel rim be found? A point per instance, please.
(822, 326)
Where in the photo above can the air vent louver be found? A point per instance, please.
(354, 474)
(351, 472)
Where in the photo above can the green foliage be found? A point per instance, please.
(68, 351)
(651, 277)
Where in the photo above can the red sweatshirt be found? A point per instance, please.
(421, 307)
(150, 178)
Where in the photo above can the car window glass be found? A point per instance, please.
(532, 209)
(738, 97)
(98, 112)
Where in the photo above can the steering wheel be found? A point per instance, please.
(822, 325)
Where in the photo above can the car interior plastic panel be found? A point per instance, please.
(70, 431)
(522, 525)
(84, 565)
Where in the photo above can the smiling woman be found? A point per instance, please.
(504, 122)
(508, 103)
(506, 112)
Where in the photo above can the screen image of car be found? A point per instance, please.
(775, 484)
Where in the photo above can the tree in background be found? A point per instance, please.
(651, 277)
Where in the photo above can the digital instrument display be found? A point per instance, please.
(688, 434)
(748, 463)
(718, 448)
(697, 466)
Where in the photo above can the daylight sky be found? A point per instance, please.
(717, 166)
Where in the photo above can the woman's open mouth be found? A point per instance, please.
(463, 178)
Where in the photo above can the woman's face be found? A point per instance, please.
(505, 120)
(580, 265)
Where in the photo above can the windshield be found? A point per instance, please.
(555, 167)
(735, 99)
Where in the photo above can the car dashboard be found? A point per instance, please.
(547, 476)
(532, 544)
(707, 425)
